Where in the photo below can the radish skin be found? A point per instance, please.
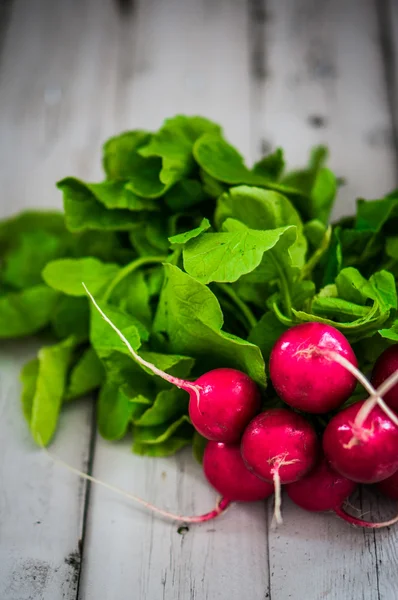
(279, 446)
(225, 470)
(386, 365)
(389, 486)
(303, 376)
(367, 454)
(222, 401)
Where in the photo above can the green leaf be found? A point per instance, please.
(315, 232)
(26, 312)
(160, 433)
(28, 378)
(353, 287)
(372, 215)
(267, 331)
(49, 389)
(211, 186)
(392, 247)
(390, 333)
(28, 222)
(131, 295)
(338, 308)
(190, 317)
(173, 144)
(67, 275)
(84, 212)
(182, 238)
(199, 444)
(262, 209)
(225, 257)
(184, 195)
(105, 340)
(223, 163)
(318, 186)
(166, 448)
(271, 166)
(23, 264)
(115, 194)
(86, 376)
(71, 316)
(168, 405)
(120, 154)
(115, 411)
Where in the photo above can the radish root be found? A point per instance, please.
(221, 506)
(341, 512)
(375, 396)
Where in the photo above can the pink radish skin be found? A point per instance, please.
(386, 365)
(225, 470)
(228, 399)
(365, 454)
(279, 440)
(321, 490)
(389, 486)
(221, 402)
(305, 378)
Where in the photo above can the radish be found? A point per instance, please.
(389, 486)
(386, 364)
(222, 401)
(322, 489)
(303, 376)
(366, 454)
(225, 470)
(279, 446)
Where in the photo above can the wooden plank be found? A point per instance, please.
(175, 57)
(52, 119)
(325, 84)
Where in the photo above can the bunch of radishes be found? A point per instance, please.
(250, 454)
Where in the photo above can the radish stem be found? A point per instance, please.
(130, 268)
(180, 383)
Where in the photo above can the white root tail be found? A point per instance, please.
(221, 506)
(375, 396)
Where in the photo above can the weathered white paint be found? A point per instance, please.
(73, 73)
(324, 62)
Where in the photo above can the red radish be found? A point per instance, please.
(322, 489)
(227, 400)
(303, 376)
(225, 470)
(386, 364)
(222, 401)
(389, 486)
(365, 454)
(279, 446)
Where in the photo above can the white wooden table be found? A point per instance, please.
(289, 73)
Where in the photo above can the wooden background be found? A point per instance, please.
(273, 72)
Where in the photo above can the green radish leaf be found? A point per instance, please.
(353, 287)
(169, 404)
(190, 318)
(26, 312)
(182, 238)
(131, 295)
(318, 186)
(28, 378)
(84, 212)
(372, 215)
(199, 444)
(225, 257)
(211, 186)
(67, 275)
(173, 144)
(27, 222)
(86, 376)
(48, 377)
(71, 316)
(24, 263)
(262, 209)
(120, 154)
(338, 308)
(167, 448)
(392, 247)
(184, 195)
(115, 411)
(160, 433)
(271, 166)
(115, 195)
(265, 334)
(390, 333)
